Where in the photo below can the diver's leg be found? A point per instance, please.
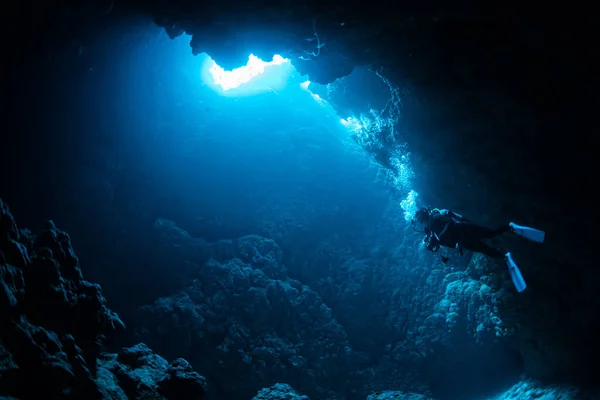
(515, 273)
(480, 247)
(477, 232)
(535, 235)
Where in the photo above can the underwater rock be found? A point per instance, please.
(393, 395)
(241, 310)
(530, 389)
(486, 94)
(53, 323)
(454, 319)
(142, 374)
(279, 391)
(186, 255)
(465, 307)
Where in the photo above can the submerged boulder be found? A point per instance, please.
(137, 372)
(279, 391)
(394, 395)
(531, 389)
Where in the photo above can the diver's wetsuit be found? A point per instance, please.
(467, 235)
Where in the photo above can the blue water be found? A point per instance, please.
(146, 163)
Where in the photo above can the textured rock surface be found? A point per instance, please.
(393, 395)
(530, 389)
(54, 322)
(487, 104)
(137, 372)
(237, 305)
(425, 320)
(279, 391)
(240, 315)
(479, 93)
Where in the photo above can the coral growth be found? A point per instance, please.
(241, 309)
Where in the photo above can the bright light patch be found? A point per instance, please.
(369, 130)
(317, 98)
(304, 85)
(409, 205)
(351, 123)
(242, 75)
(403, 174)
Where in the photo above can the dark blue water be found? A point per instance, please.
(153, 172)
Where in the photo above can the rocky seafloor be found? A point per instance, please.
(55, 325)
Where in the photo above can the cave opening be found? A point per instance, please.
(319, 169)
(190, 181)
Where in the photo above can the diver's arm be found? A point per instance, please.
(445, 221)
(459, 217)
(444, 230)
(454, 215)
(449, 219)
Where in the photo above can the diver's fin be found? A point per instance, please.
(532, 234)
(515, 274)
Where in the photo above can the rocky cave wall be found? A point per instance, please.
(433, 328)
(487, 103)
(54, 325)
(486, 106)
(237, 304)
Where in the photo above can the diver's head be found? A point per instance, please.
(421, 216)
(420, 222)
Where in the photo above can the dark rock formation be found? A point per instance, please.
(53, 324)
(530, 389)
(427, 321)
(237, 305)
(435, 329)
(485, 105)
(239, 315)
(279, 391)
(393, 395)
(488, 111)
(137, 372)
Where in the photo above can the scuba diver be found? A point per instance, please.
(449, 229)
